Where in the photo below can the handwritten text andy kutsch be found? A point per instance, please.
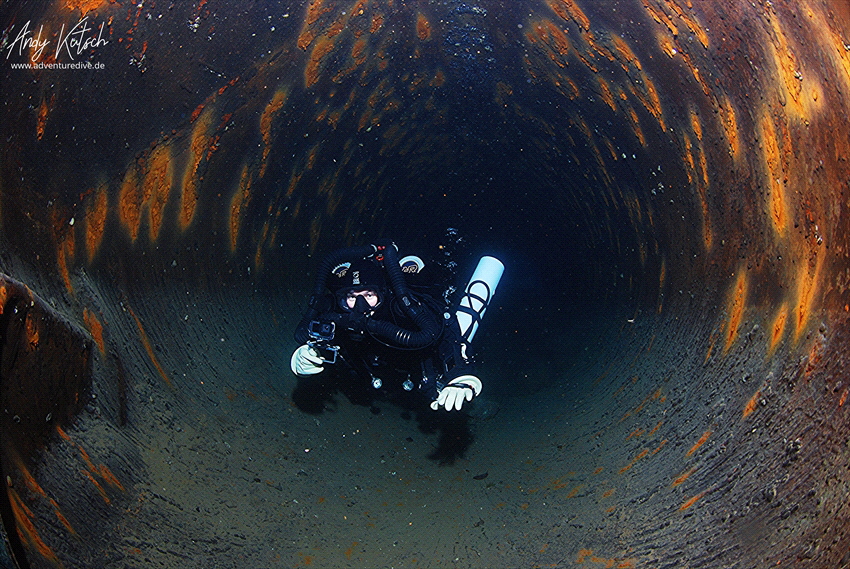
(78, 39)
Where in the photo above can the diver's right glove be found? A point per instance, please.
(459, 389)
(305, 361)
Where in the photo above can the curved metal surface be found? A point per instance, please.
(666, 180)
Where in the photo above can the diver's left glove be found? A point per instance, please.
(460, 389)
(305, 361)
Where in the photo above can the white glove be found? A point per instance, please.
(305, 361)
(459, 389)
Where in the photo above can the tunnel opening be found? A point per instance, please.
(663, 367)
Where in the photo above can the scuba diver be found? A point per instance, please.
(385, 325)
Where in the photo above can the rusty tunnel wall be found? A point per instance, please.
(665, 372)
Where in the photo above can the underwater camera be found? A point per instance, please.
(321, 336)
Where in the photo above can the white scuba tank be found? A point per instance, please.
(478, 294)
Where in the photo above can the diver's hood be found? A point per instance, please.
(362, 274)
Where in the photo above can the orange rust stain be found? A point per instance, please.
(690, 21)
(130, 202)
(703, 187)
(224, 88)
(560, 41)
(696, 125)
(62, 519)
(653, 101)
(359, 8)
(197, 112)
(575, 491)
(587, 62)
(606, 94)
(843, 398)
(258, 255)
(323, 47)
(639, 456)
(610, 146)
(590, 38)
(41, 121)
(197, 149)
(26, 528)
(690, 502)
(31, 328)
(689, 158)
(95, 328)
(86, 6)
(651, 397)
(334, 118)
(608, 493)
(808, 279)
(110, 478)
(439, 79)
(239, 201)
(710, 349)
(699, 443)
(636, 433)
(64, 250)
(656, 427)
(377, 22)
(350, 550)
(97, 485)
(622, 48)
(335, 28)
(587, 555)
(423, 27)
(85, 456)
(775, 172)
(29, 479)
(266, 119)
(61, 432)
(735, 309)
(752, 404)
(684, 477)
(777, 329)
(392, 105)
(364, 119)
(787, 65)
(729, 122)
(696, 73)
(156, 186)
(358, 51)
(96, 221)
(660, 17)
(569, 10)
(149, 349)
(573, 93)
(311, 157)
(293, 182)
(315, 10)
(633, 118)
